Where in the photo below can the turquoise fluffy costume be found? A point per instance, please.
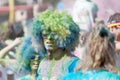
(63, 31)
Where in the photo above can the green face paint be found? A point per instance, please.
(49, 40)
(35, 60)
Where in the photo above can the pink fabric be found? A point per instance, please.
(107, 7)
(118, 27)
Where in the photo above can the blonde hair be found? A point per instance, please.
(101, 54)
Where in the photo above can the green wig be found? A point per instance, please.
(60, 26)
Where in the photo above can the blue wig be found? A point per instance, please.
(26, 52)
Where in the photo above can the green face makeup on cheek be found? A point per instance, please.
(35, 60)
(49, 40)
(35, 64)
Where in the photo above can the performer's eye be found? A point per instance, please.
(44, 35)
(32, 57)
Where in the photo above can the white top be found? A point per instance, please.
(83, 13)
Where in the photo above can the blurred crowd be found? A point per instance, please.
(54, 40)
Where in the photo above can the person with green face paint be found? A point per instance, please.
(34, 64)
(54, 36)
(60, 36)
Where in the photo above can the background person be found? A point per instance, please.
(99, 63)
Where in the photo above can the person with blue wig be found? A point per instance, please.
(54, 35)
(28, 59)
(99, 63)
(29, 54)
